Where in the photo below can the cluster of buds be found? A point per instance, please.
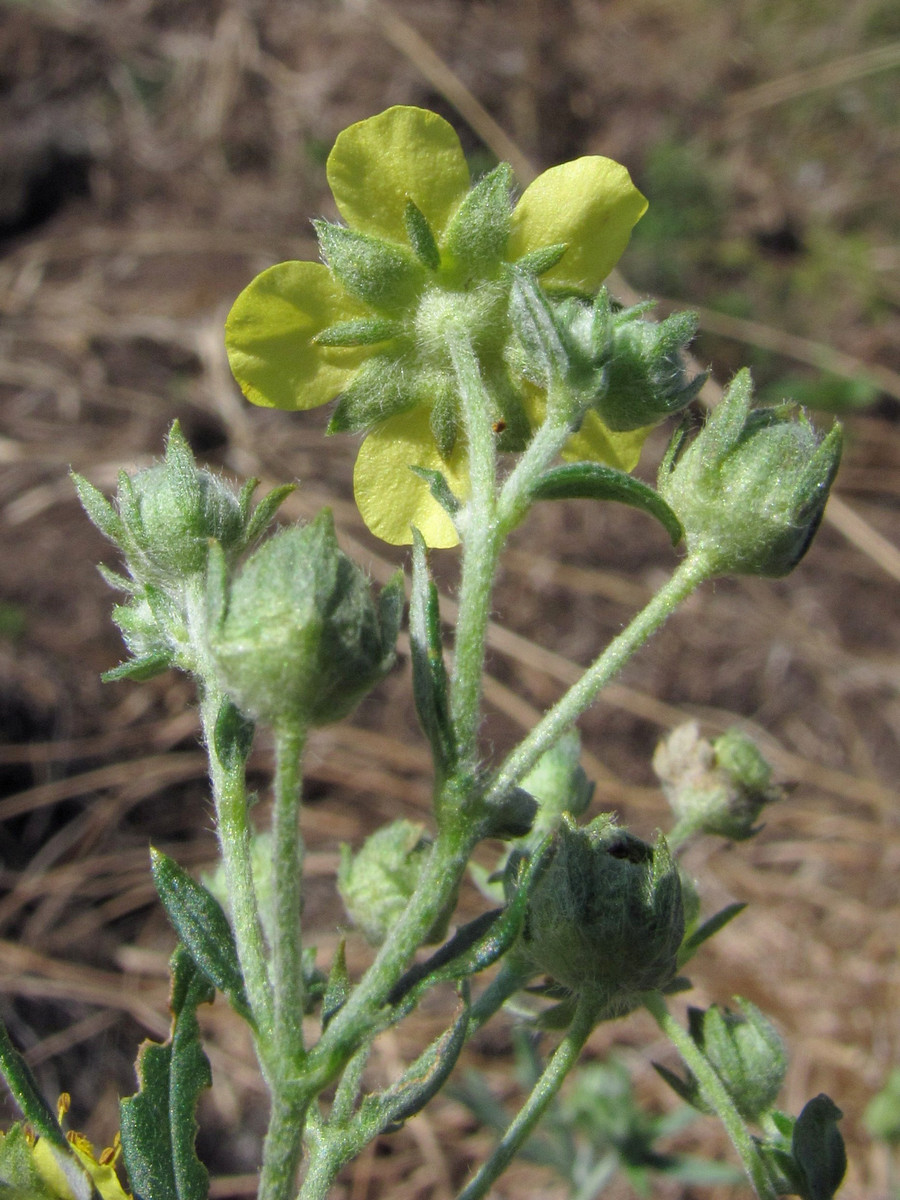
(716, 787)
(290, 629)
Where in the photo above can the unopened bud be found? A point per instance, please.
(303, 638)
(750, 489)
(377, 882)
(717, 787)
(606, 918)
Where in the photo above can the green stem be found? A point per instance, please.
(282, 1147)
(715, 1095)
(287, 969)
(689, 575)
(482, 541)
(545, 1089)
(437, 885)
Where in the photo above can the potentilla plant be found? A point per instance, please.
(472, 342)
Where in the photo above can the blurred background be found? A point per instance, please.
(156, 154)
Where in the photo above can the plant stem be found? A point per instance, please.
(482, 541)
(564, 1058)
(437, 885)
(283, 1146)
(287, 969)
(689, 575)
(715, 1094)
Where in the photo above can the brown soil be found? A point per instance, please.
(157, 155)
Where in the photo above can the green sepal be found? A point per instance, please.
(547, 357)
(536, 262)
(99, 509)
(593, 481)
(375, 393)
(421, 236)
(427, 652)
(117, 582)
(695, 940)
(379, 273)
(818, 1148)
(26, 1093)
(200, 922)
(387, 1112)
(262, 516)
(478, 234)
(444, 420)
(391, 602)
(363, 331)
(139, 669)
(686, 1089)
(158, 1123)
(337, 988)
(232, 736)
(439, 488)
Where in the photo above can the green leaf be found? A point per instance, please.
(386, 1112)
(26, 1093)
(337, 989)
(429, 671)
(692, 944)
(594, 481)
(479, 943)
(158, 1123)
(202, 926)
(232, 736)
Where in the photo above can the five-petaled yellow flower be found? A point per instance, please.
(421, 245)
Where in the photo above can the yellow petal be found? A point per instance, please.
(402, 154)
(269, 335)
(591, 205)
(390, 497)
(595, 443)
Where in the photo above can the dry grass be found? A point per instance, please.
(191, 140)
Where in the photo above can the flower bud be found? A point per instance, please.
(605, 918)
(751, 488)
(377, 883)
(558, 784)
(165, 517)
(717, 787)
(746, 1053)
(646, 379)
(302, 637)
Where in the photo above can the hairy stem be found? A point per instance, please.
(564, 1058)
(689, 575)
(482, 541)
(287, 972)
(715, 1095)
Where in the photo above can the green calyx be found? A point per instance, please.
(301, 637)
(606, 918)
(750, 489)
(746, 1052)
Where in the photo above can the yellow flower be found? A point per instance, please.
(422, 249)
(36, 1170)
